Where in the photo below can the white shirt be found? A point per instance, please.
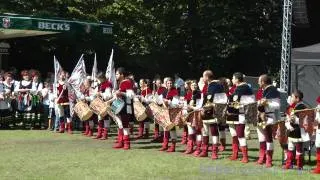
(23, 83)
(37, 87)
(45, 95)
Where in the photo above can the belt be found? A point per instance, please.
(270, 112)
(63, 104)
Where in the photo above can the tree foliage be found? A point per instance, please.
(151, 35)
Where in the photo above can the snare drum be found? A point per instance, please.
(161, 116)
(83, 111)
(231, 114)
(176, 116)
(280, 132)
(139, 111)
(117, 105)
(194, 119)
(251, 112)
(99, 107)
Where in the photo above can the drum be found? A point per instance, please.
(139, 111)
(280, 132)
(307, 120)
(161, 116)
(251, 113)
(117, 105)
(231, 114)
(99, 107)
(83, 111)
(218, 110)
(153, 109)
(175, 115)
(194, 119)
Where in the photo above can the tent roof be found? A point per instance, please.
(14, 26)
(309, 55)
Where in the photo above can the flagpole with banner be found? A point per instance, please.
(78, 75)
(94, 72)
(111, 73)
(74, 82)
(57, 70)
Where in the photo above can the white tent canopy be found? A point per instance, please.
(305, 72)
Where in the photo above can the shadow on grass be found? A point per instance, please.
(148, 147)
(140, 142)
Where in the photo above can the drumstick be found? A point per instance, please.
(302, 110)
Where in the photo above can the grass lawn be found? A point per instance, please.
(41, 154)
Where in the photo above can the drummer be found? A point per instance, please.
(242, 92)
(269, 102)
(158, 90)
(126, 94)
(105, 92)
(214, 91)
(222, 126)
(294, 132)
(187, 98)
(62, 103)
(317, 143)
(145, 98)
(171, 96)
(88, 94)
(194, 128)
(135, 89)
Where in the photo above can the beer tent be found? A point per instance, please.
(19, 26)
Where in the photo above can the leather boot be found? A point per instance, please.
(317, 169)
(165, 141)
(156, 132)
(86, 125)
(204, 146)
(222, 146)
(119, 144)
(62, 126)
(126, 141)
(214, 152)
(172, 148)
(99, 130)
(140, 130)
(197, 151)
(244, 150)
(104, 134)
(269, 158)
(90, 133)
(70, 128)
(191, 139)
(262, 153)
(299, 160)
(184, 135)
(235, 148)
(288, 164)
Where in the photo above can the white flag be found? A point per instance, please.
(110, 72)
(94, 68)
(78, 75)
(94, 71)
(57, 70)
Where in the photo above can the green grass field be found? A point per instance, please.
(41, 154)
